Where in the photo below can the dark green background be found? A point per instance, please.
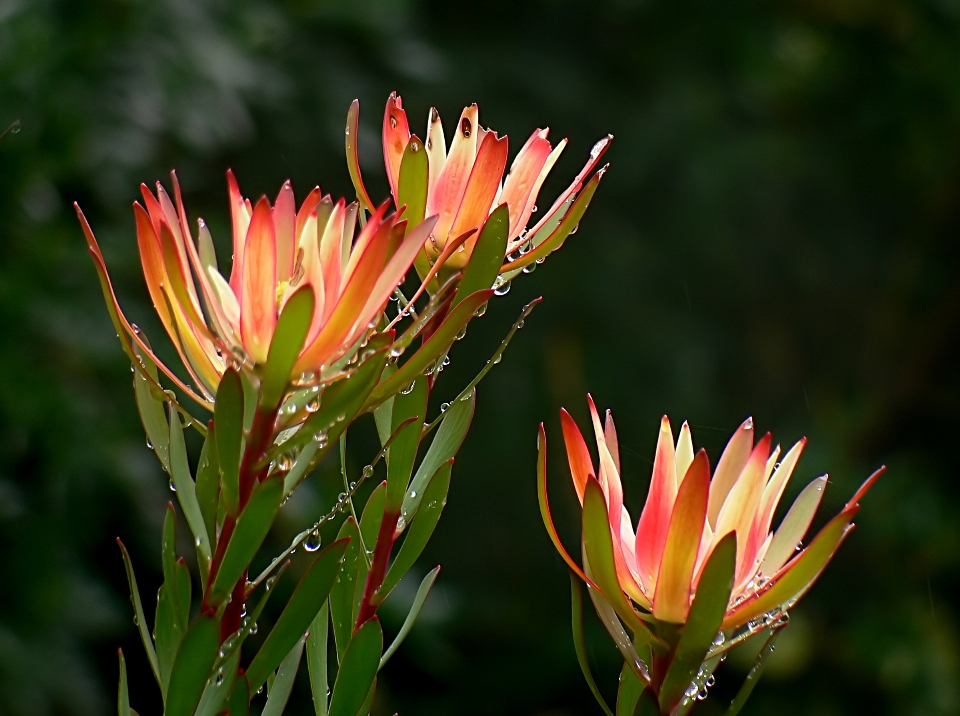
(777, 236)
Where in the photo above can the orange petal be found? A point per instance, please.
(240, 219)
(447, 193)
(436, 148)
(729, 467)
(483, 185)
(655, 518)
(578, 455)
(740, 508)
(307, 208)
(610, 435)
(671, 601)
(284, 224)
(151, 257)
(258, 295)
(396, 134)
(521, 185)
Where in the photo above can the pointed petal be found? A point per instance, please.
(436, 147)
(482, 186)
(330, 242)
(240, 218)
(774, 489)
(151, 257)
(655, 518)
(228, 301)
(610, 435)
(729, 467)
(284, 224)
(353, 159)
(793, 527)
(672, 599)
(740, 508)
(396, 134)
(447, 193)
(609, 475)
(519, 189)
(684, 450)
(307, 209)
(578, 455)
(258, 295)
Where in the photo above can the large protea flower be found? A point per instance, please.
(465, 185)
(650, 575)
(216, 322)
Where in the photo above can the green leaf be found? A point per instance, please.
(598, 547)
(228, 414)
(139, 617)
(608, 617)
(647, 704)
(219, 686)
(358, 669)
(317, 659)
(412, 187)
(372, 516)
(383, 412)
(208, 484)
(251, 529)
(193, 665)
(283, 684)
(288, 337)
(305, 458)
(450, 435)
(186, 490)
(123, 695)
(150, 406)
(435, 497)
(435, 346)
(353, 161)
(628, 693)
(487, 256)
(301, 610)
(168, 632)
(703, 622)
(344, 593)
(403, 450)
(754, 675)
(580, 644)
(239, 702)
(555, 240)
(422, 593)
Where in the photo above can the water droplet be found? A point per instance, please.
(173, 488)
(503, 289)
(711, 680)
(443, 407)
(219, 678)
(314, 405)
(529, 268)
(460, 335)
(401, 524)
(341, 417)
(465, 127)
(480, 311)
(149, 444)
(393, 122)
(312, 542)
(367, 471)
(434, 115)
(413, 493)
(408, 389)
(414, 147)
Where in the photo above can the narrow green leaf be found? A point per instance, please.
(754, 675)
(703, 622)
(283, 684)
(123, 695)
(345, 589)
(317, 659)
(186, 490)
(611, 622)
(151, 409)
(580, 643)
(450, 435)
(168, 543)
(628, 693)
(219, 686)
(647, 704)
(305, 458)
(598, 547)
(383, 413)
(285, 347)
(487, 256)
(168, 632)
(358, 669)
(403, 450)
(353, 161)
(435, 497)
(412, 187)
(193, 665)
(431, 350)
(208, 483)
(139, 617)
(418, 601)
(373, 516)
(228, 418)
(239, 702)
(251, 529)
(301, 610)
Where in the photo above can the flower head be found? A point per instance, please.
(462, 186)
(689, 511)
(278, 249)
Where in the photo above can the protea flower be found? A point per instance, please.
(215, 321)
(688, 512)
(464, 185)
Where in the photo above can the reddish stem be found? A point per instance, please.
(378, 569)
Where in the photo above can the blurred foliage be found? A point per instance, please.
(777, 236)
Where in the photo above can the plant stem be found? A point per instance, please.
(378, 570)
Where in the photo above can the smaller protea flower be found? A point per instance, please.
(689, 511)
(463, 186)
(215, 322)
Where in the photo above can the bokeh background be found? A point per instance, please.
(777, 237)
